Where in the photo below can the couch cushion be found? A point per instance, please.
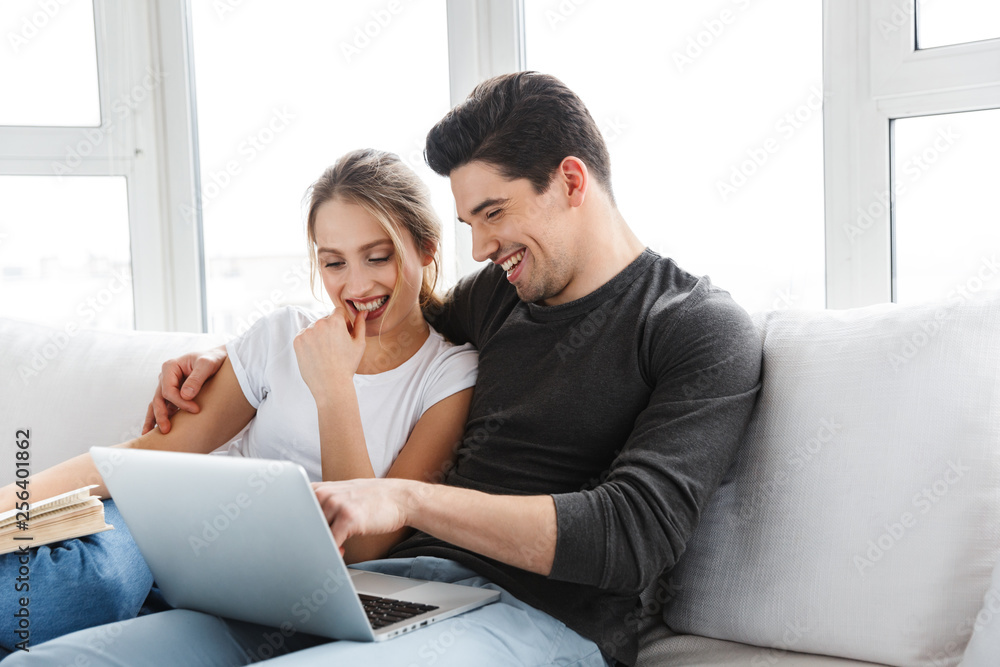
(863, 510)
(75, 388)
(984, 646)
(664, 649)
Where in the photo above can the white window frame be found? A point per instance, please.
(141, 46)
(873, 74)
(156, 147)
(485, 39)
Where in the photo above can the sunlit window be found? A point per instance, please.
(713, 117)
(349, 75)
(64, 251)
(947, 220)
(946, 22)
(48, 64)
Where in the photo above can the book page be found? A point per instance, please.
(66, 516)
(40, 507)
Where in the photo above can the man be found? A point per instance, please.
(613, 391)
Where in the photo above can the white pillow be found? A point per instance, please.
(861, 517)
(984, 647)
(74, 388)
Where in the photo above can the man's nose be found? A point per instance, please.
(484, 244)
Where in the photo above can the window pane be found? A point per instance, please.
(354, 75)
(713, 116)
(947, 220)
(64, 251)
(944, 22)
(48, 66)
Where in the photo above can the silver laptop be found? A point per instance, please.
(246, 539)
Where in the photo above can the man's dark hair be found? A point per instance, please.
(523, 124)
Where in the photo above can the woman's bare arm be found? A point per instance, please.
(426, 457)
(171, 395)
(224, 411)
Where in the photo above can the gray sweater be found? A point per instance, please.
(627, 406)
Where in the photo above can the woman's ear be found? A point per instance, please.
(430, 249)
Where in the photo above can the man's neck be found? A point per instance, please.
(610, 247)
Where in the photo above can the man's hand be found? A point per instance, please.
(517, 530)
(363, 506)
(193, 370)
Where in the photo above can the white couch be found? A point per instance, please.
(859, 525)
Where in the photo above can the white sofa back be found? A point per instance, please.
(75, 388)
(820, 539)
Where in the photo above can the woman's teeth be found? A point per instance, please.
(371, 305)
(509, 265)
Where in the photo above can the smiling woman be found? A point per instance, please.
(359, 392)
(384, 191)
(375, 246)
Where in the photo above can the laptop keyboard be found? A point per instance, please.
(386, 611)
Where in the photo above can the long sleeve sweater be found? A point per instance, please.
(626, 406)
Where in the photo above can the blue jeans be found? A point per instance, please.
(75, 584)
(508, 632)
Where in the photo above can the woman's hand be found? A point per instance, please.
(329, 351)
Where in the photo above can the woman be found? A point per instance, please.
(369, 390)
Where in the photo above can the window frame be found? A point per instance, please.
(485, 39)
(146, 146)
(874, 74)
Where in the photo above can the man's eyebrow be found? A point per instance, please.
(367, 246)
(486, 203)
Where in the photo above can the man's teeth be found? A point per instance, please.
(371, 305)
(512, 262)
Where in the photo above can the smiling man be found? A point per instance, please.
(613, 392)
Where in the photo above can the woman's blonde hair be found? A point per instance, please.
(390, 192)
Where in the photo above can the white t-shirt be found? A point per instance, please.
(287, 423)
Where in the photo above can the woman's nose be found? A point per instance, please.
(358, 282)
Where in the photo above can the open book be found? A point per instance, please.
(72, 514)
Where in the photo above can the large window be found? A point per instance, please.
(948, 22)
(799, 152)
(912, 134)
(947, 219)
(82, 170)
(714, 120)
(48, 68)
(65, 252)
(64, 237)
(334, 77)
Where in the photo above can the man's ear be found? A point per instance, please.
(574, 179)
